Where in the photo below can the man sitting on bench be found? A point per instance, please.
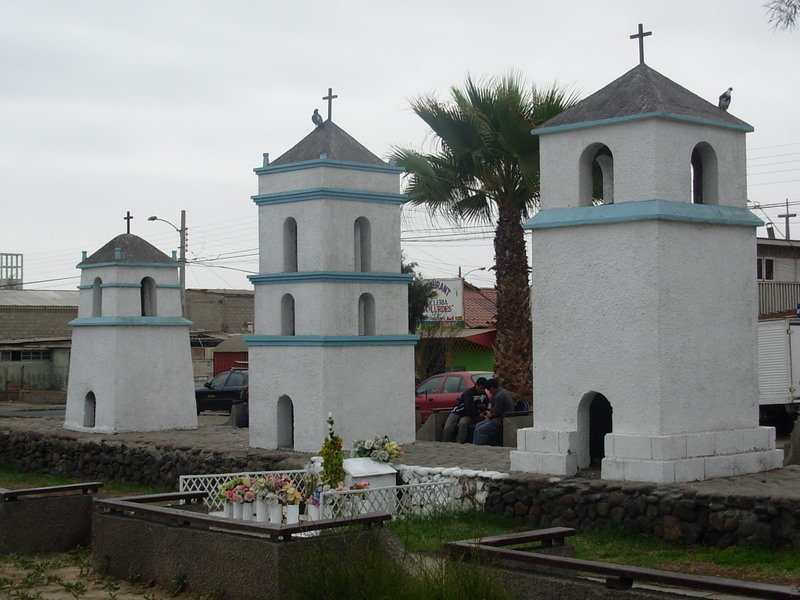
(465, 413)
(502, 403)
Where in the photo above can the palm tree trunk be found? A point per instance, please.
(513, 355)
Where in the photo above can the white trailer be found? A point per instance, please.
(779, 373)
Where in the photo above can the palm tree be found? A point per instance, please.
(486, 168)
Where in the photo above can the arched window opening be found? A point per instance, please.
(704, 175)
(97, 297)
(147, 291)
(287, 315)
(284, 419)
(89, 410)
(366, 315)
(363, 245)
(596, 176)
(290, 246)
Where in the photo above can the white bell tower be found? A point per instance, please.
(644, 298)
(331, 305)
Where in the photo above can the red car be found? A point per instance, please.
(444, 389)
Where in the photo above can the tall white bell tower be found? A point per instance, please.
(331, 305)
(644, 298)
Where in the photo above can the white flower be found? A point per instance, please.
(368, 444)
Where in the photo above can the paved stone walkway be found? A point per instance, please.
(214, 434)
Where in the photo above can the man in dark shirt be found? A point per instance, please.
(502, 402)
(464, 413)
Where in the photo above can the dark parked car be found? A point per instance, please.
(444, 389)
(222, 391)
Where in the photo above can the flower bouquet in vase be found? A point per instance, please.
(290, 498)
(268, 503)
(379, 448)
(228, 497)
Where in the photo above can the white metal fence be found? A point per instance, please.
(417, 498)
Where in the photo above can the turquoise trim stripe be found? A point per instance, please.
(334, 340)
(323, 162)
(323, 193)
(330, 276)
(120, 285)
(127, 264)
(650, 115)
(85, 287)
(130, 321)
(169, 286)
(647, 210)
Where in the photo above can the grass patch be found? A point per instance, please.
(428, 533)
(13, 477)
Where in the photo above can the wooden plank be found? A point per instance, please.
(167, 497)
(623, 575)
(523, 537)
(276, 532)
(92, 486)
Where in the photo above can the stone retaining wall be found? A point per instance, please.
(160, 465)
(669, 512)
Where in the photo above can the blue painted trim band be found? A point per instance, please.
(324, 162)
(120, 285)
(650, 115)
(130, 321)
(647, 210)
(85, 287)
(330, 276)
(323, 193)
(332, 340)
(127, 264)
(170, 286)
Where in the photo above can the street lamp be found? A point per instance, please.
(468, 272)
(182, 233)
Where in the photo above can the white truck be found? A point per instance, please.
(779, 373)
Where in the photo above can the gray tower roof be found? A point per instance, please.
(332, 141)
(134, 250)
(640, 91)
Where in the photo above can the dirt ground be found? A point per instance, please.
(69, 576)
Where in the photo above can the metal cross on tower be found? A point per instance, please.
(329, 98)
(641, 35)
(127, 218)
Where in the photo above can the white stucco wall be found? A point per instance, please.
(645, 167)
(331, 308)
(368, 390)
(331, 220)
(141, 378)
(659, 317)
(330, 177)
(126, 301)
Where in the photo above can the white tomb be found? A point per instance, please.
(331, 305)
(130, 365)
(644, 307)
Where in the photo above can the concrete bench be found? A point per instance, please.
(431, 430)
(46, 519)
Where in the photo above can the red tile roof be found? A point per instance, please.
(480, 307)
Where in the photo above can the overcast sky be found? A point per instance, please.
(156, 106)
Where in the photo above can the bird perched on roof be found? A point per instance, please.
(725, 99)
(316, 118)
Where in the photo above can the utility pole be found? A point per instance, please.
(182, 233)
(787, 216)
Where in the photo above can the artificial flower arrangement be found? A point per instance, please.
(378, 448)
(225, 490)
(269, 488)
(237, 491)
(290, 495)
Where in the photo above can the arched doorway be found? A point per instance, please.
(89, 410)
(284, 419)
(594, 422)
